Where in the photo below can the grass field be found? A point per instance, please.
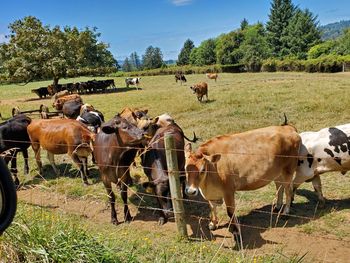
(57, 213)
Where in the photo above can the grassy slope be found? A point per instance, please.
(238, 102)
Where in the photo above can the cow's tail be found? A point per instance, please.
(195, 138)
(285, 120)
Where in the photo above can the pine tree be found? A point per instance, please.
(127, 65)
(135, 61)
(184, 56)
(281, 13)
(244, 24)
(153, 58)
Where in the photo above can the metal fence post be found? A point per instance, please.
(174, 182)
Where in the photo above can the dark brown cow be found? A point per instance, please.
(60, 136)
(240, 162)
(114, 154)
(200, 90)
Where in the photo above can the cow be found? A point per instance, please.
(13, 135)
(136, 116)
(155, 165)
(61, 136)
(326, 150)
(212, 76)
(71, 109)
(132, 81)
(58, 104)
(41, 92)
(52, 89)
(93, 119)
(181, 77)
(240, 162)
(200, 90)
(115, 148)
(60, 94)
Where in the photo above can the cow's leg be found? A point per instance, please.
(81, 164)
(213, 216)
(298, 180)
(287, 185)
(36, 149)
(230, 208)
(279, 190)
(25, 157)
(51, 158)
(125, 181)
(14, 170)
(111, 197)
(162, 192)
(316, 182)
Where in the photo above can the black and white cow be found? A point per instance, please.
(181, 77)
(132, 81)
(92, 119)
(327, 150)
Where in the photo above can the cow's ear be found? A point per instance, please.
(214, 158)
(134, 115)
(188, 149)
(145, 111)
(155, 120)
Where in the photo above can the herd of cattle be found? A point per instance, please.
(217, 169)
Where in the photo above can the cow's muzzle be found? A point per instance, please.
(191, 190)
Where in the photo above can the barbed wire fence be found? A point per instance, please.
(141, 199)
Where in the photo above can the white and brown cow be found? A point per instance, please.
(240, 162)
(212, 76)
(323, 151)
(132, 81)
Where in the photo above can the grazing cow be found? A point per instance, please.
(132, 81)
(212, 76)
(327, 150)
(240, 162)
(52, 89)
(114, 154)
(181, 77)
(13, 135)
(60, 136)
(155, 165)
(200, 90)
(41, 92)
(58, 104)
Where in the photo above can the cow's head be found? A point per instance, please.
(194, 88)
(128, 133)
(197, 166)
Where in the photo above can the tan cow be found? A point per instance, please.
(240, 162)
(200, 89)
(58, 104)
(212, 76)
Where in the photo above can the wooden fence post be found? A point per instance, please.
(174, 182)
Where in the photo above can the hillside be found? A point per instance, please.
(334, 30)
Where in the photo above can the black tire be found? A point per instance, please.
(8, 197)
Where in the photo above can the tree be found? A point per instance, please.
(321, 49)
(204, 54)
(184, 56)
(281, 13)
(302, 34)
(244, 24)
(135, 61)
(127, 67)
(153, 58)
(227, 45)
(343, 43)
(36, 51)
(254, 48)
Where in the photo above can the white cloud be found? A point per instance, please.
(181, 2)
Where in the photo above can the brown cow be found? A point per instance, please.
(240, 162)
(212, 76)
(200, 90)
(60, 94)
(114, 154)
(136, 116)
(60, 136)
(58, 104)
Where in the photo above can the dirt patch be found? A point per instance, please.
(257, 240)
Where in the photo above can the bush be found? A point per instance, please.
(269, 65)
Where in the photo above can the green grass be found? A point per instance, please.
(238, 102)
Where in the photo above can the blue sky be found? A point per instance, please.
(133, 25)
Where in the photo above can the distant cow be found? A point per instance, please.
(240, 162)
(52, 89)
(181, 77)
(200, 90)
(327, 150)
(60, 94)
(58, 104)
(132, 81)
(212, 76)
(41, 92)
(114, 153)
(13, 135)
(61, 136)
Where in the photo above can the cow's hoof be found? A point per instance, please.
(212, 226)
(114, 221)
(86, 183)
(128, 219)
(276, 209)
(322, 204)
(161, 221)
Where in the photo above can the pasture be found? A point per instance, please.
(58, 214)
